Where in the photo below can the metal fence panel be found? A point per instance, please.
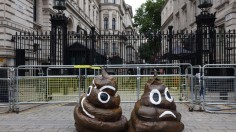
(220, 91)
(6, 89)
(198, 85)
(56, 85)
(196, 92)
(132, 86)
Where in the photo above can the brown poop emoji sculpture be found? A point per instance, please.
(99, 109)
(155, 111)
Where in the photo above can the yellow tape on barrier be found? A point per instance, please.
(87, 66)
(82, 66)
(96, 67)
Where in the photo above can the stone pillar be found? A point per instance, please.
(110, 20)
(39, 12)
(102, 21)
(117, 21)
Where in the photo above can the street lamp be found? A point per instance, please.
(59, 5)
(205, 4)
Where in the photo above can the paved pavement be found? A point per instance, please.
(59, 118)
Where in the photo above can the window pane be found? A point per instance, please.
(105, 23)
(113, 23)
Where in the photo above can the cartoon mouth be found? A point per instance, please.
(86, 112)
(167, 113)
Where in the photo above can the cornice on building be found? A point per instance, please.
(72, 9)
(223, 9)
(232, 9)
(220, 21)
(220, 5)
(192, 23)
(163, 7)
(15, 26)
(167, 22)
(102, 5)
(129, 9)
(80, 14)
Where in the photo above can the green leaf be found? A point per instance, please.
(148, 16)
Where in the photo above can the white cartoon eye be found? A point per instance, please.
(89, 90)
(155, 97)
(168, 96)
(103, 97)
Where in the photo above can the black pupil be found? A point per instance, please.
(168, 94)
(88, 90)
(156, 97)
(104, 97)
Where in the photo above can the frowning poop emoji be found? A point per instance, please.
(156, 110)
(99, 109)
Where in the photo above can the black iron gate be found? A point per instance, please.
(124, 48)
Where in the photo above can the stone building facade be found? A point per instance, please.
(181, 14)
(34, 15)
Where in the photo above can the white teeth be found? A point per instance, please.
(86, 112)
(107, 87)
(166, 113)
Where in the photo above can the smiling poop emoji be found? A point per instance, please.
(156, 110)
(99, 109)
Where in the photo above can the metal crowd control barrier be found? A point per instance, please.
(7, 85)
(132, 78)
(48, 84)
(197, 96)
(220, 91)
(73, 85)
(58, 84)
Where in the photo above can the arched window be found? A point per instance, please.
(105, 23)
(113, 23)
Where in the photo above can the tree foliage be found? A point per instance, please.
(148, 51)
(148, 16)
(148, 21)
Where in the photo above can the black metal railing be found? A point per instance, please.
(119, 48)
